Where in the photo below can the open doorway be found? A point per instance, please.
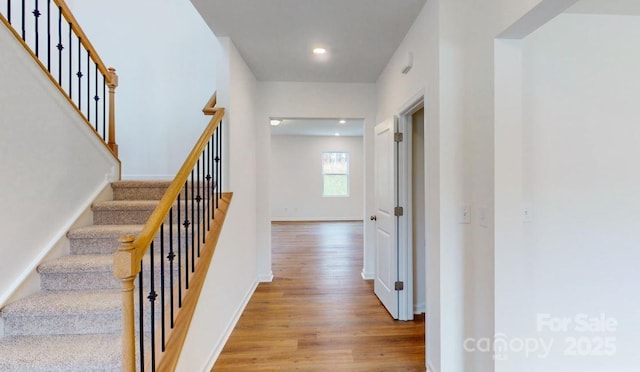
(401, 212)
(317, 169)
(412, 191)
(418, 211)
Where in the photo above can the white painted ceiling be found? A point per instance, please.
(275, 37)
(318, 127)
(617, 7)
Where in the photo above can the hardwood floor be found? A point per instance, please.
(318, 314)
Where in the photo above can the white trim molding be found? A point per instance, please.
(215, 353)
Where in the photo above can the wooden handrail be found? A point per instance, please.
(160, 213)
(75, 26)
(109, 74)
(210, 106)
(132, 249)
(112, 84)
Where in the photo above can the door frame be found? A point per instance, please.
(405, 199)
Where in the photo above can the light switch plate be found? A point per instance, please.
(464, 214)
(527, 214)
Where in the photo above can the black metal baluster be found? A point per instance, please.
(79, 74)
(70, 62)
(24, 33)
(141, 315)
(162, 285)
(221, 161)
(198, 200)
(214, 173)
(89, 86)
(186, 234)
(193, 225)
(179, 258)
(152, 305)
(36, 14)
(104, 107)
(204, 195)
(203, 190)
(60, 46)
(96, 98)
(209, 162)
(217, 193)
(170, 257)
(9, 11)
(49, 35)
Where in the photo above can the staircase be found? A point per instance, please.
(75, 321)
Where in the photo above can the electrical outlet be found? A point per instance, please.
(527, 214)
(465, 214)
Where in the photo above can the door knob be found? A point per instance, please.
(373, 218)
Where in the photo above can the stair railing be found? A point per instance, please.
(172, 255)
(51, 34)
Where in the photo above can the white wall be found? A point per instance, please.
(453, 45)
(394, 92)
(297, 183)
(309, 100)
(166, 57)
(52, 167)
(581, 136)
(232, 277)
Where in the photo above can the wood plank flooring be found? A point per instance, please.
(318, 314)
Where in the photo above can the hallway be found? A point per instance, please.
(318, 313)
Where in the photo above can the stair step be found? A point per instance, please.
(70, 312)
(96, 352)
(90, 272)
(139, 190)
(133, 212)
(99, 239)
(103, 239)
(147, 190)
(64, 312)
(78, 272)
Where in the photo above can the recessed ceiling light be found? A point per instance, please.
(342, 121)
(275, 122)
(319, 51)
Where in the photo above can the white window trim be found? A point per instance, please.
(348, 174)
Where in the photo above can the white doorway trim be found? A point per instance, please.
(405, 199)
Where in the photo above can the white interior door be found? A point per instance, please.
(385, 161)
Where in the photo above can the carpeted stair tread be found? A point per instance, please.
(78, 263)
(65, 302)
(125, 205)
(99, 352)
(140, 184)
(104, 231)
(104, 239)
(74, 322)
(131, 205)
(86, 262)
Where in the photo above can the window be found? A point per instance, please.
(335, 173)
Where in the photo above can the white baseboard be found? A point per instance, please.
(430, 368)
(232, 324)
(266, 278)
(366, 276)
(314, 219)
(419, 308)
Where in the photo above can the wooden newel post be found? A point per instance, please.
(113, 84)
(125, 268)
